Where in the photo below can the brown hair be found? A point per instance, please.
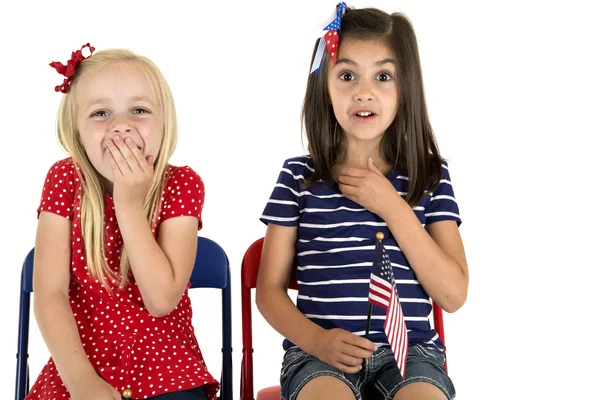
(408, 144)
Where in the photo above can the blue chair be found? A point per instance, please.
(22, 385)
(211, 270)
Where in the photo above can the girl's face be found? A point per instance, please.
(363, 89)
(117, 100)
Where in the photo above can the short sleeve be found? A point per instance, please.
(183, 195)
(283, 206)
(58, 194)
(442, 204)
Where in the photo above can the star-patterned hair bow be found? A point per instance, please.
(330, 40)
(69, 70)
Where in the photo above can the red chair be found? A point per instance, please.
(250, 265)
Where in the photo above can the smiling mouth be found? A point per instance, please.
(365, 115)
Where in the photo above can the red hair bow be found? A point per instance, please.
(69, 70)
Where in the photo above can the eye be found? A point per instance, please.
(347, 76)
(384, 77)
(140, 110)
(99, 113)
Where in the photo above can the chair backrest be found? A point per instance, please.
(211, 270)
(250, 265)
(22, 378)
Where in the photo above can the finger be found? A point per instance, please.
(356, 351)
(351, 193)
(137, 153)
(356, 172)
(359, 341)
(350, 180)
(347, 369)
(113, 164)
(348, 360)
(127, 153)
(352, 197)
(374, 168)
(348, 190)
(118, 158)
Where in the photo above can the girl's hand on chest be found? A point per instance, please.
(369, 188)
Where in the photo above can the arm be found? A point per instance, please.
(338, 348)
(438, 258)
(53, 313)
(272, 300)
(161, 267)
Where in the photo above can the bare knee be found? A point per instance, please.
(326, 387)
(420, 391)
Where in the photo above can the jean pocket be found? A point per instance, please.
(292, 358)
(432, 354)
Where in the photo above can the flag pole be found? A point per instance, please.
(369, 320)
(379, 237)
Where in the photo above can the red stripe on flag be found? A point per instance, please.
(395, 330)
(381, 285)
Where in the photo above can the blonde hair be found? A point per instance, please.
(90, 212)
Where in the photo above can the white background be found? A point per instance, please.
(513, 94)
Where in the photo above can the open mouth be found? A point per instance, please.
(365, 115)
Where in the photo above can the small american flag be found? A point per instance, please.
(382, 293)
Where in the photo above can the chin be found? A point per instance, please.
(366, 137)
(103, 169)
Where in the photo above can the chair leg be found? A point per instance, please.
(22, 373)
(27, 377)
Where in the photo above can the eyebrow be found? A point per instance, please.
(355, 64)
(105, 100)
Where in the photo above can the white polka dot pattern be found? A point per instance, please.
(128, 347)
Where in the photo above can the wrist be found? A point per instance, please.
(394, 209)
(129, 210)
(79, 376)
(312, 343)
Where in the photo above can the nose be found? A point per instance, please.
(364, 92)
(121, 126)
(120, 129)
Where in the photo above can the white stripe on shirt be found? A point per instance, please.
(344, 249)
(282, 219)
(312, 210)
(363, 264)
(326, 226)
(301, 163)
(436, 214)
(322, 239)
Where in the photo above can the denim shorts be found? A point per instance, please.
(378, 379)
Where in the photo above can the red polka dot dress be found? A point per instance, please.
(128, 347)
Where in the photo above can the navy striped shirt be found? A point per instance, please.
(335, 248)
